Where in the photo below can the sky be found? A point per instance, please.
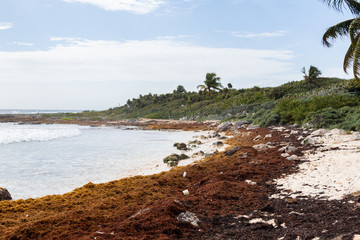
(96, 54)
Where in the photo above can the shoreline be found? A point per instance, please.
(226, 195)
(143, 164)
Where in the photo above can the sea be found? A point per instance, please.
(35, 111)
(39, 160)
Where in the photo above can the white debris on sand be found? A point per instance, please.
(332, 172)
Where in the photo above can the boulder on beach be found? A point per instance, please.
(4, 194)
(224, 126)
(239, 124)
(231, 151)
(173, 159)
(218, 143)
(181, 146)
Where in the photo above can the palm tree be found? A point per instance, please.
(211, 82)
(312, 75)
(350, 28)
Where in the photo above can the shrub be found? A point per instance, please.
(324, 118)
(154, 116)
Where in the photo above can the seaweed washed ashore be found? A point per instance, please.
(229, 195)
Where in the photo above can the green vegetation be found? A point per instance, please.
(330, 103)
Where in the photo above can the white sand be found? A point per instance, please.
(331, 172)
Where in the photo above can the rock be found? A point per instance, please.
(312, 141)
(186, 192)
(184, 174)
(268, 136)
(355, 136)
(188, 217)
(224, 126)
(252, 127)
(262, 147)
(293, 158)
(287, 149)
(4, 194)
(197, 154)
(320, 132)
(181, 146)
(197, 142)
(231, 151)
(173, 159)
(222, 138)
(218, 143)
(285, 155)
(336, 131)
(237, 125)
(257, 138)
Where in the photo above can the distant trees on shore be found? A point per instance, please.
(211, 82)
(311, 76)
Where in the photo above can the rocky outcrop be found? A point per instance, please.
(4, 194)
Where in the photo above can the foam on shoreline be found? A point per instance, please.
(207, 147)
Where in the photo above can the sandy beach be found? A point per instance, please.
(270, 183)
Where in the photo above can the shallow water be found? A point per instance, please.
(38, 160)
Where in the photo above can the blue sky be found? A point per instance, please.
(96, 54)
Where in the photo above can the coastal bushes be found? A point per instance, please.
(328, 103)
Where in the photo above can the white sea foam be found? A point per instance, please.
(15, 133)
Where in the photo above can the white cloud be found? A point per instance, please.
(135, 6)
(259, 35)
(6, 25)
(155, 60)
(106, 73)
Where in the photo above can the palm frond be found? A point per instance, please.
(338, 30)
(201, 86)
(353, 5)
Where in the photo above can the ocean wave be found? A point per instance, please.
(15, 133)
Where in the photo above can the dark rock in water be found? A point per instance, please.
(181, 146)
(231, 151)
(197, 142)
(173, 159)
(4, 194)
(197, 154)
(218, 143)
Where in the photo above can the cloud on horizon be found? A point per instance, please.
(74, 59)
(134, 6)
(259, 35)
(6, 25)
